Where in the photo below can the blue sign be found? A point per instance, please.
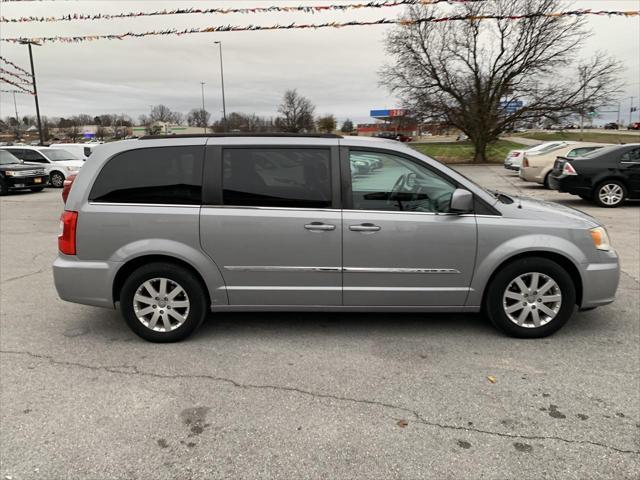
(511, 106)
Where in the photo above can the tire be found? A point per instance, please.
(193, 295)
(56, 179)
(545, 182)
(503, 290)
(610, 194)
(37, 189)
(3, 188)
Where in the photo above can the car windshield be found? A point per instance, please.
(58, 155)
(7, 158)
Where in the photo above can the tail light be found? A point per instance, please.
(568, 169)
(67, 238)
(66, 187)
(525, 161)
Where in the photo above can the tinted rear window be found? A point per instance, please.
(272, 177)
(167, 175)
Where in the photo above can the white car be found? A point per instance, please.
(57, 163)
(514, 157)
(80, 150)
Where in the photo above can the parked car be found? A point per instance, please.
(172, 228)
(608, 175)
(394, 136)
(634, 126)
(513, 161)
(16, 175)
(80, 150)
(537, 168)
(57, 163)
(611, 126)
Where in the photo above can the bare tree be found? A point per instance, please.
(297, 113)
(326, 123)
(473, 74)
(161, 113)
(198, 118)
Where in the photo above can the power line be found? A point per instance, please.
(292, 26)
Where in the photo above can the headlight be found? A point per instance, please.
(600, 238)
(10, 173)
(71, 169)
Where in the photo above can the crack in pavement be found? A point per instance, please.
(19, 277)
(126, 369)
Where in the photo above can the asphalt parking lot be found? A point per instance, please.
(290, 395)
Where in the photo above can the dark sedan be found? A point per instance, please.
(608, 176)
(16, 175)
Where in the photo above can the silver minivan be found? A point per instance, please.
(172, 228)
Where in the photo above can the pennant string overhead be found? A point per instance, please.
(292, 26)
(225, 11)
(16, 85)
(19, 69)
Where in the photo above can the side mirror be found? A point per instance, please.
(461, 201)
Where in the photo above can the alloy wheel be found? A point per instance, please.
(611, 194)
(532, 300)
(57, 180)
(161, 304)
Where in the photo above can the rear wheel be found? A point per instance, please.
(530, 298)
(163, 302)
(56, 179)
(610, 194)
(546, 181)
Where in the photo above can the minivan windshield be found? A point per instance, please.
(7, 158)
(57, 154)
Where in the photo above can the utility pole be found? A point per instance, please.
(204, 117)
(35, 89)
(15, 106)
(618, 121)
(630, 109)
(224, 108)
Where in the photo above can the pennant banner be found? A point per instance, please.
(224, 11)
(292, 26)
(23, 80)
(14, 91)
(17, 85)
(19, 69)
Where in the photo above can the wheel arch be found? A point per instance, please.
(133, 264)
(558, 258)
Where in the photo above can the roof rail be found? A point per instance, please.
(217, 135)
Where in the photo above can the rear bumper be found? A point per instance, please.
(510, 166)
(600, 282)
(88, 283)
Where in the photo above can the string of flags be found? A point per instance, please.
(16, 85)
(19, 69)
(13, 91)
(225, 11)
(292, 26)
(21, 79)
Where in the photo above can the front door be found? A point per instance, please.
(401, 246)
(630, 168)
(276, 233)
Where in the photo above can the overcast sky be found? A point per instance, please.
(335, 68)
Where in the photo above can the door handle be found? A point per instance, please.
(365, 227)
(319, 227)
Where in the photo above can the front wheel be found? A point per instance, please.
(56, 179)
(163, 302)
(530, 298)
(610, 194)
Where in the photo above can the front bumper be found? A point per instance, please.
(600, 281)
(16, 183)
(88, 283)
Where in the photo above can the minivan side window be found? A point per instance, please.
(160, 175)
(276, 177)
(381, 181)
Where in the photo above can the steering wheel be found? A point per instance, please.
(396, 189)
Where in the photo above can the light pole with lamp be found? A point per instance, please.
(224, 108)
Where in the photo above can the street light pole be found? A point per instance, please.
(35, 91)
(204, 117)
(224, 107)
(630, 108)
